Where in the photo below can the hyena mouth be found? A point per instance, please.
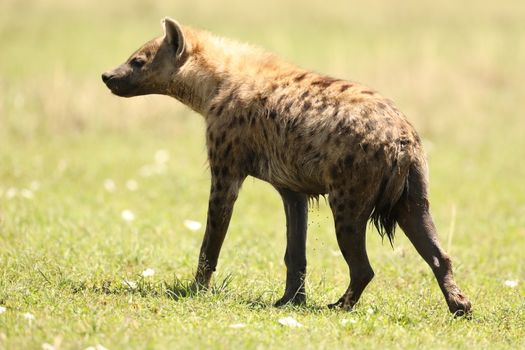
(118, 86)
(120, 89)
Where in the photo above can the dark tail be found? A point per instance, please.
(383, 216)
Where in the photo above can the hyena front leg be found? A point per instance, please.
(350, 226)
(296, 210)
(224, 191)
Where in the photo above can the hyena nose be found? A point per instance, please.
(106, 76)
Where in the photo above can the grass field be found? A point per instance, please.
(76, 162)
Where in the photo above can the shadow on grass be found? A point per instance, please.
(180, 289)
(262, 301)
(177, 289)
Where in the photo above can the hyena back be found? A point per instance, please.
(307, 135)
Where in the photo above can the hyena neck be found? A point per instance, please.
(215, 64)
(194, 89)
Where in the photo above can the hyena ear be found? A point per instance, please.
(173, 35)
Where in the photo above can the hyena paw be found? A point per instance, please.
(197, 287)
(342, 304)
(459, 305)
(291, 299)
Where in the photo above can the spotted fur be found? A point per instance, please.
(307, 134)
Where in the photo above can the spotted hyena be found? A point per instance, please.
(308, 135)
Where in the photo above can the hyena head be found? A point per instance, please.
(152, 67)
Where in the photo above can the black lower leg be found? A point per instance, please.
(350, 218)
(352, 242)
(222, 198)
(415, 220)
(296, 209)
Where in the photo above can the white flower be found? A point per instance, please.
(19, 101)
(370, 310)
(28, 316)
(289, 322)
(146, 171)
(28, 194)
(192, 225)
(2, 309)
(130, 284)
(237, 325)
(132, 185)
(62, 166)
(346, 321)
(336, 253)
(47, 346)
(109, 185)
(148, 272)
(162, 156)
(96, 347)
(11, 192)
(511, 283)
(127, 215)
(34, 185)
(152, 169)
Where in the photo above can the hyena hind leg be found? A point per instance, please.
(413, 216)
(351, 237)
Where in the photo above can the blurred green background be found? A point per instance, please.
(69, 150)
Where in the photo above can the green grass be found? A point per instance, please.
(456, 69)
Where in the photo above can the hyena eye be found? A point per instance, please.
(137, 61)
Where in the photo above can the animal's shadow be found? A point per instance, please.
(179, 290)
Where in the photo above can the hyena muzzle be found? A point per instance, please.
(306, 134)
